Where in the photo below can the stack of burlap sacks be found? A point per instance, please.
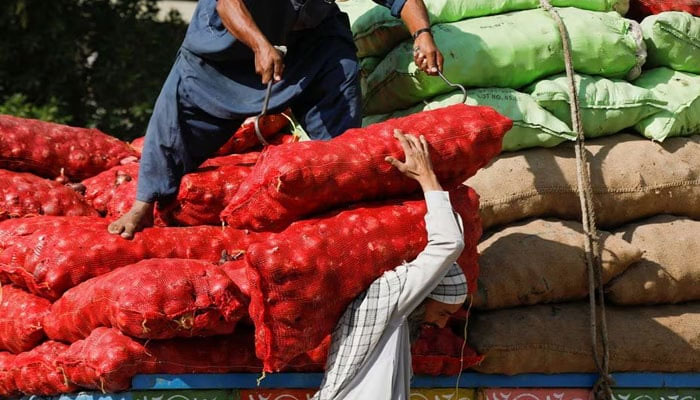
(530, 313)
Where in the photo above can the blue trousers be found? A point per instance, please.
(199, 109)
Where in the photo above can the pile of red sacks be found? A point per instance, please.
(310, 225)
(642, 8)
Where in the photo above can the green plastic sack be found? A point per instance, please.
(509, 50)
(376, 31)
(607, 106)
(367, 65)
(533, 126)
(673, 40)
(681, 116)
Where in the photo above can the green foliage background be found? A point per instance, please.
(97, 63)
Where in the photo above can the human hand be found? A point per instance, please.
(269, 63)
(426, 55)
(417, 164)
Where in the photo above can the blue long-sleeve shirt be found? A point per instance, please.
(218, 67)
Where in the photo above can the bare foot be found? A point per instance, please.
(140, 215)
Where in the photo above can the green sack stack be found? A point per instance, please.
(375, 31)
(509, 50)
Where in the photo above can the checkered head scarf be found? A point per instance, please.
(362, 325)
(453, 287)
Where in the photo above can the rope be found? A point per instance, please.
(602, 388)
(261, 378)
(464, 345)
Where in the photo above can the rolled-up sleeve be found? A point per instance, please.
(394, 5)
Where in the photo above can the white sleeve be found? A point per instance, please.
(445, 244)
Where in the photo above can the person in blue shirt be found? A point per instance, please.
(220, 74)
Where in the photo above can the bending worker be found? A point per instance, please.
(221, 72)
(370, 354)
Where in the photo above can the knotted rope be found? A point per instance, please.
(602, 388)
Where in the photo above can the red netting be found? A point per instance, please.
(35, 373)
(245, 139)
(205, 193)
(303, 278)
(152, 299)
(641, 8)
(21, 317)
(112, 192)
(137, 144)
(312, 361)
(284, 139)
(12, 228)
(106, 360)
(297, 180)
(237, 271)
(437, 352)
(58, 253)
(219, 354)
(52, 150)
(7, 382)
(27, 195)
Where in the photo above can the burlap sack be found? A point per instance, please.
(632, 178)
(543, 261)
(556, 339)
(670, 269)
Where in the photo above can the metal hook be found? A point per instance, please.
(266, 102)
(454, 85)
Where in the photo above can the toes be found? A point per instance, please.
(129, 231)
(115, 228)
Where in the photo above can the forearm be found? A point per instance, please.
(445, 244)
(415, 15)
(443, 225)
(239, 22)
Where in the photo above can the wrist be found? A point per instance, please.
(260, 44)
(429, 182)
(421, 31)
